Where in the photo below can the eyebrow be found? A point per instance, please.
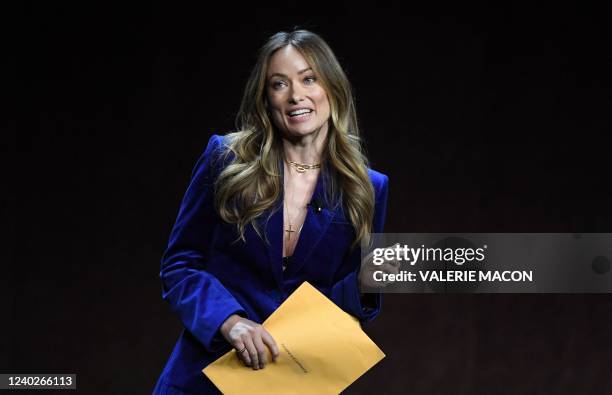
(284, 75)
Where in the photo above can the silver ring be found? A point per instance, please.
(241, 351)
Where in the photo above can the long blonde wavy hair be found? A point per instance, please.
(251, 183)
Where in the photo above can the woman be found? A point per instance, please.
(286, 199)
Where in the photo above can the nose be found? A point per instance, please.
(296, 95)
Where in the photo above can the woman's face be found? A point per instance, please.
(297, 102)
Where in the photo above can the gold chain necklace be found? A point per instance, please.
(301, 167)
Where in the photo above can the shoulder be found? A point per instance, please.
(213, 157)
(379, 180)
(216, 145)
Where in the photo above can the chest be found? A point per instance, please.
(297, 194)
(318, 254)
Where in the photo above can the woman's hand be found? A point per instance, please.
(366, 273)
(241, 332)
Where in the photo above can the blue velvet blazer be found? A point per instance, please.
(207, 276)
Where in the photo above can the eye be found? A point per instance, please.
(310, 79)
(278, 84)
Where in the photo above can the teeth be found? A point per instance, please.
(298, 112)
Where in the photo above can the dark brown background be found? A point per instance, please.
(485, 120)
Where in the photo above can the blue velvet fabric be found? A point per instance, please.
(207, 276)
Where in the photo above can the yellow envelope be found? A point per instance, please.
(322, 351)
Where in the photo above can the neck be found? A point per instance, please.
(305, 149)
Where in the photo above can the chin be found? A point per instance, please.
(303, 130)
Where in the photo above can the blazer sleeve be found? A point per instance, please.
(345, 293)
(199, 299)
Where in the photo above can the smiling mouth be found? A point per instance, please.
(300, 112)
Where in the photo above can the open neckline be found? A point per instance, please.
(317, 186)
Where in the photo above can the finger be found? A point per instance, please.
(244, 355)
(395, 263)
(261, 350)
(392, 264)
(248, 342)
(388, 268)
(269, 341)
(395, 267)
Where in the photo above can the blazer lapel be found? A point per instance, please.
(274, 233)
(315, 226)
